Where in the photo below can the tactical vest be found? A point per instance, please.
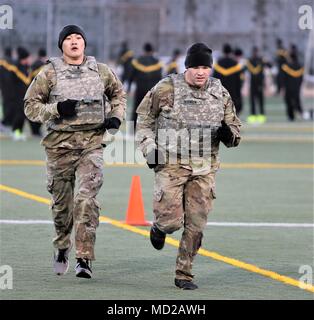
(190, 126)
(82, 83)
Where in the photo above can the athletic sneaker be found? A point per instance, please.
(83, 268)
(18, 135)
(251, 119)
(261, 118)
(185, 284)
(61, 261)
(157, 238)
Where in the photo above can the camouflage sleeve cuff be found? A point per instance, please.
(144, 143)
(236, 137)
(53, 110)
(150, 145)
(49, 112)
(118, 116)
(236, 140)
(114, 91)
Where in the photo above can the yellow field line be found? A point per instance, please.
(22, 162)
(248, 165)
(175, 243)
(215, 256)
(24, 194)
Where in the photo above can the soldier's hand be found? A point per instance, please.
(112, 125)
(154, 158)
(66, 109)
(224, 132)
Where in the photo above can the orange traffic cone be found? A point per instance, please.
(135, 213)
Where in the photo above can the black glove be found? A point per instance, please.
(66, 109)
(112, 123)
(224, 133)
(153, 157)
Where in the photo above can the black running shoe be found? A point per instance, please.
(185, 284)
(157, 238)
(83, 268)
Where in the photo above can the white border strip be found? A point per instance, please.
(214, 224)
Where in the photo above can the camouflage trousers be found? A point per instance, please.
(68, 209)
(183, 199)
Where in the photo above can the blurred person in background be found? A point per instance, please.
(280, 58)
(7, 92)
(172, 66)
(71, 96)
(238, 56)
(39, 62)
(125, 60)
(20, 82)
(35, 68)
(146, 72)
(255, 67)
(292, 77)
(228, 70)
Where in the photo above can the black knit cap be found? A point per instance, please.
(148, 47)
(22, 53)
(226, 48)
(69, 29)
(198, 55)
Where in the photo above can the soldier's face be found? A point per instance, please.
(73, 46)
(197, 76)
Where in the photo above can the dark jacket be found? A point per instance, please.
(146, 72)
(292, 77)
(229, 72)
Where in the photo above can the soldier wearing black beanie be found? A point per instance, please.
(183, 163)
(75, 91)
(198, 55)
(69, 29)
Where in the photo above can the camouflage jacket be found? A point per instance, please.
(38, 109)
(160, 98)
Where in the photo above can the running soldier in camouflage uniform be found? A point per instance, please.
(189, 106)
(71, 96)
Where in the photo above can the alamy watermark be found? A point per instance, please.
(6, 17)
(6, 277)
(184, 145)
(306, 280)
(306, 18)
